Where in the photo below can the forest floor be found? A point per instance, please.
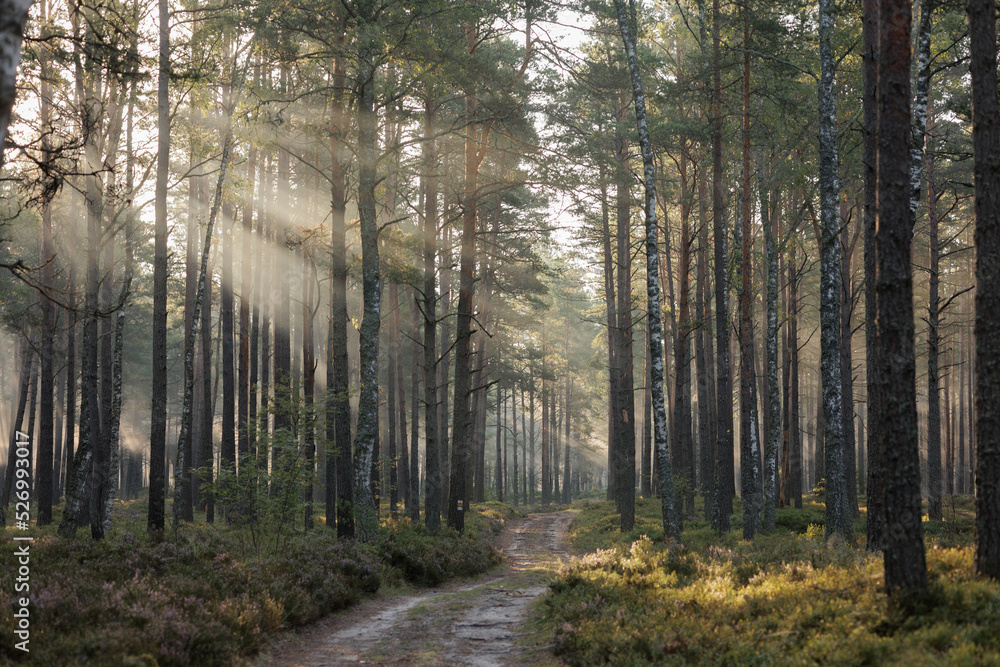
(471, 622)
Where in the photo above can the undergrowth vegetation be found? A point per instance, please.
(200, 597)
(787, 598)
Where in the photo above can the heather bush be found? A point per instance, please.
(198, 598)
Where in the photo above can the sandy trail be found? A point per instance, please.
(474, 622)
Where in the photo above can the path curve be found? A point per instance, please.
(474, 622)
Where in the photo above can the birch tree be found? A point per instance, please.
(627, 26)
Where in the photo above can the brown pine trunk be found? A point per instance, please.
(905, 565)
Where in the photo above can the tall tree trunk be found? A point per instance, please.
(227, 451)
(158, 418)
(683, 444)
(567, 490)
(206, 446)
(432, 443)
(413, 508)
(847, 369)
(703, 341)
(246, 296)
(366, 434)
(47, 256)
(308, 386)
(934, 512)
(340, 467)
(516, 486)
(475, 147)
(627, 26)
(283, 442)
(773, 407)
(722, 507)
(875, 501)
(986, 150)
(838, 520)
(546, 444)
(611, 312)
(392, 383)
(750, 459)
(905, 565)
(794, 485)
(624, 443)
(71, 282)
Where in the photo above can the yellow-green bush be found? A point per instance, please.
(784, 599)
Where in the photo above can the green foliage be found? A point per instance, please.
(785, 598)
(199, 598)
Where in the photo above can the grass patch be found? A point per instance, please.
(199, 597)
(787, 598)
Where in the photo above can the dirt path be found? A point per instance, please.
(465, 623)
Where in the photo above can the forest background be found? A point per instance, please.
(387, 253)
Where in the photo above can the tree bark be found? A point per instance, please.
(838, 520)
(750, 459)
(13, 17)
(367, 431)
(986, 150)
(158, 419)
(905, 565)
(627, 26)
(875, 515)
(773, 407)
(340, 466)
(722, 507)
(432, 456)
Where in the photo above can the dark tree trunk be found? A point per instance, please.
(567, 490)
(413, 508)
(750, 459)
(624, 443)
(207, 412)
(933, 350)
(703, 341)
(432, 443)
(340, 467)
(246, 280)
(905, 566)
(227, 451)
(875, 501)
(610, 301)
(722, 507)
(794, 485)
(683, 448)
(392, 384)
(847, 372)
(158, 418)
(986, 150)
(462, 427)
(308, 387)
(366, 434)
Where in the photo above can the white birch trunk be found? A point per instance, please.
(627, 27)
